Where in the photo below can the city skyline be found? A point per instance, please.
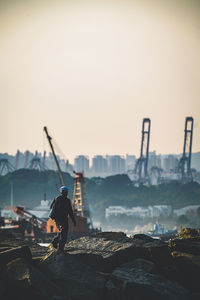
(92, 70)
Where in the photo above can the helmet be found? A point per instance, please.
(63, 189)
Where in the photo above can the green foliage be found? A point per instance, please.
(30, 186)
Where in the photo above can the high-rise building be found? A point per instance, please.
(81, 164)
(99, 165)
(170, 163)
(117, 164)
(130, 162)
(154, 160)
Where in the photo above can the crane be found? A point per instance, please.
(54, 155)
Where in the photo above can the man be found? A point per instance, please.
(60, 209)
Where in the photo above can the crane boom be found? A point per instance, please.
(54, 155)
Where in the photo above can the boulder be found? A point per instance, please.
(137, 280)
(191, 246)
(189, 233)
(143, 237)
(111, 235)
(189, 267)
(158, 252)
(11, 254)
(78, 280)
(113, 252)
(31, 280)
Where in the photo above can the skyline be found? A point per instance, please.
(91, 72)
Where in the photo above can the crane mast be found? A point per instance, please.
(54, 155)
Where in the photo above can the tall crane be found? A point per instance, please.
(54, 155)
(184, 166)
(141, 167)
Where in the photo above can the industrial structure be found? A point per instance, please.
(184, 166)
(80, 203)
(5, 166)
(140, 172)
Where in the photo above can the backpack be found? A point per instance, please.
(57, 210)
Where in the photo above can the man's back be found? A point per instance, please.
(61, 208)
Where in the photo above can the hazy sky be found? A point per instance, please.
(92, 70)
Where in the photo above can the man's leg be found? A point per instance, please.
(56, 240)
(63, 236)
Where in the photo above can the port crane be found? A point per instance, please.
(184, 166)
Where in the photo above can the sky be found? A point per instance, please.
(92, 70)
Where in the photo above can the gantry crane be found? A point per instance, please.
(141, 167)
(184, 166)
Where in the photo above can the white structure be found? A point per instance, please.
(139, 211)
(43, 210)
(184, 210)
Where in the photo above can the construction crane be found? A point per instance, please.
(80, 203)
(184, 166)
(54, 155)
(141, 167)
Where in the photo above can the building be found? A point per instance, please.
(154, 160)
(130, 162)
(139, 211)
(116, 164)
(170, 163)
(99, 165)
(81, 164)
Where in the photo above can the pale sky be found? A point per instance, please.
(92, 70)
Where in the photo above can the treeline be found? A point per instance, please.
(29, 187)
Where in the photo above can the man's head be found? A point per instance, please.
(64, 190)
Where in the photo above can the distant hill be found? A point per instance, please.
(30, 185)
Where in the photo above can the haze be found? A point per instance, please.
(91, 70)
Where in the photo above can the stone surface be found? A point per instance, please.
(189, 267)
(78, 280)
(106, 266)
(138, 280)
(188, 233)
(190, 246)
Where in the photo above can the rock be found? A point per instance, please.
(143, 237)
(78, 280)
(191, 246)
(111, 235)
(137, 280)
(159, 253)
(111, 252)
(189, 267)
(11, 254)
(189, 233)
(32, 280)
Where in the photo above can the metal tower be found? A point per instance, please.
(26, 159)
(17, 159)
(80, 202)
(141, 167)
(36, 164)
(5, 166)
(184, 166)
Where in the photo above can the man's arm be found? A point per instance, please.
(71, 212)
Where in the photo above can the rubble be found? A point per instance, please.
(106, 266)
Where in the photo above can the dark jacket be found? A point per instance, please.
(63, 208)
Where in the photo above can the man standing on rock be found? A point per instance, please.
(60, 209)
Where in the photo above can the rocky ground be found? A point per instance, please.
(108, 266)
